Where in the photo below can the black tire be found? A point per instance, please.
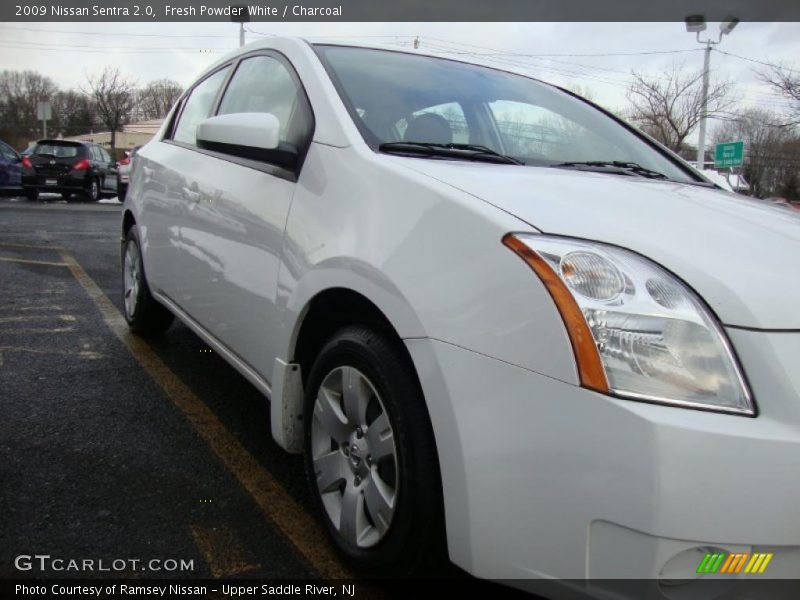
(144, 315)
(93, 190)
(66, 196)
(414, 542)
(122, 190)
(32, 194)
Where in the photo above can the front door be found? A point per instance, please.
(235, 214)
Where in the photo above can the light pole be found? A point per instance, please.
(696, 24)
(240, 15)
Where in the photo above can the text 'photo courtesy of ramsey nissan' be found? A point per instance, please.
(367, 300)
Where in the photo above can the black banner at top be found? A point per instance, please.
(396, 10)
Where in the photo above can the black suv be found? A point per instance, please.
(68, 168)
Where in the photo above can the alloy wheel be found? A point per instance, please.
(354, 457)
(132, 278)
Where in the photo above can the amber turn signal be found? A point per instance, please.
(590, 368)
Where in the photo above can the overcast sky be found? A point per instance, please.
(67, 52)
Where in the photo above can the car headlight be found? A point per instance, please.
(637, 331)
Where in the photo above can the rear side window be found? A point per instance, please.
(198, 107)
(7, 152)
(263, 84)
(59, 150)
(104, 156)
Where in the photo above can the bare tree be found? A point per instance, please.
(72, 113)
(771, 160)
(156, 98)
(584, 91)
(786, 82)
(112, 96)
(670, 106)
(20, 92)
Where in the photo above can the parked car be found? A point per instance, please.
(782, 203)
(498, 321)
(67, 168)
(124, 171)
(10, 171)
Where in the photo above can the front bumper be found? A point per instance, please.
(545, 479)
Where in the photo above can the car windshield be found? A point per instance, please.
(398, 97)
(58, 150)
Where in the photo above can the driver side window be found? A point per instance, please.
(263, 84)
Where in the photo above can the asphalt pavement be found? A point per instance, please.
(96, 461)
(113, 447)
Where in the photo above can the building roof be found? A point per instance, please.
(152, 126)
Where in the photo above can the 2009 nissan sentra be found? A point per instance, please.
(500, 323)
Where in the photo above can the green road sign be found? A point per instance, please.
(729, 155)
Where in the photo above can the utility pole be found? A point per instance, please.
(701, 144)
(696, 24)
(44, 112)
(240, 15)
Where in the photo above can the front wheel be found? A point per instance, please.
(122, 191)
(370, 455)
(142, 312)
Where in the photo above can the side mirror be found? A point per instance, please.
(259, 131)
(247, 135)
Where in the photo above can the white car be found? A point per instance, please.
(499, 322)
(124, 166)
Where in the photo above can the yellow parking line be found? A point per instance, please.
(34, 246)
(32, 262)
(22, 318)
(29, 330)
(224, 554)
(295, 524)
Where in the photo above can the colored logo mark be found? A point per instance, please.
(721, 562)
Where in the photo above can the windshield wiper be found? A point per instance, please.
(458, 151)
(613, 166)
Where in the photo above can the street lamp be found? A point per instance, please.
(696, 24)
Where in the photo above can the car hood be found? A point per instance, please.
(741, 255)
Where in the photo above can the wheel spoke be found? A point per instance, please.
(356, 394)
(358, 491)
(379, 499)
(352, 520)
(330, 416)
(131, 278)
(330, 469)
(380, 438)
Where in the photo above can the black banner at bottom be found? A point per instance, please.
(217, 589)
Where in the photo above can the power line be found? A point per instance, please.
(524, 54)
(52, 48)
(499, 56)
(115, 34)
(759, 62)
(105, 48)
